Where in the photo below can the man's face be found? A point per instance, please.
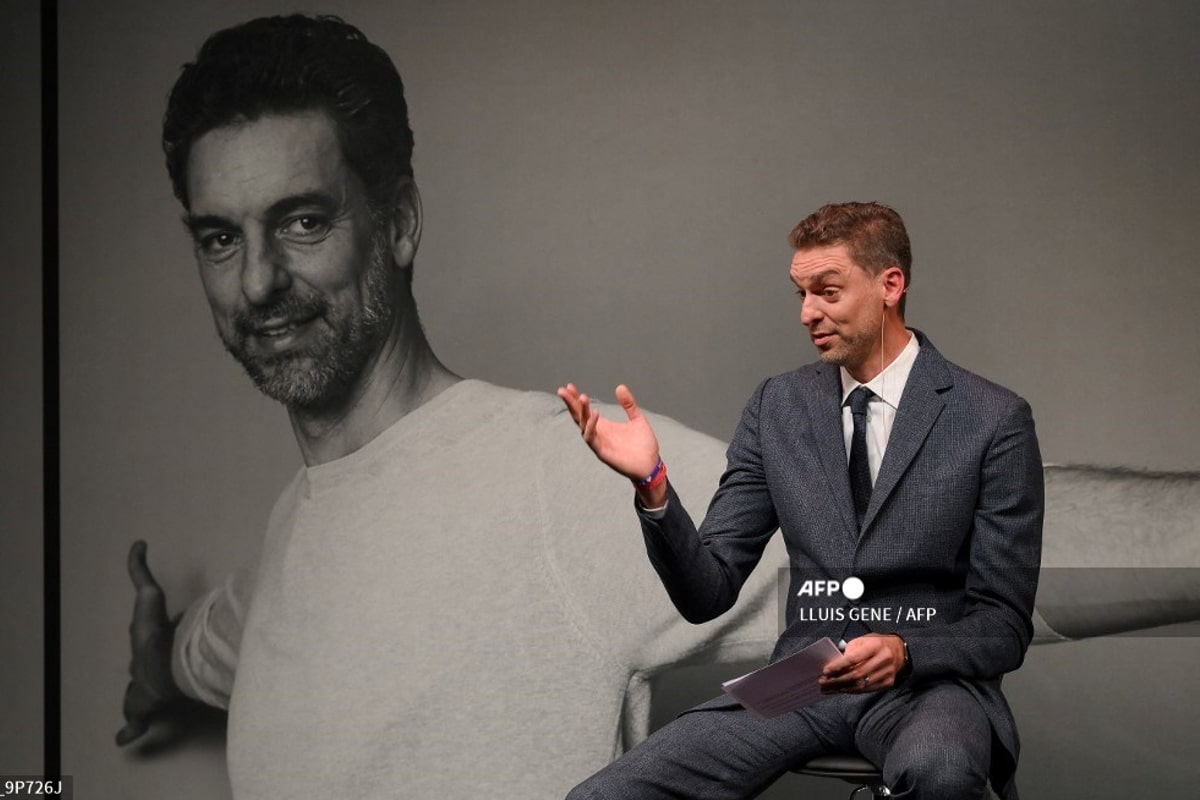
(842, 305)
(299, 276)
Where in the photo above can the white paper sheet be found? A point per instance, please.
(786, 685)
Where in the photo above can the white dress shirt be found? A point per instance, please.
(888, 386)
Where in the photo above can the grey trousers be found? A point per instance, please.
(933, 741)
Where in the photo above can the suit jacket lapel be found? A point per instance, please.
(920, 405)
(824, 404)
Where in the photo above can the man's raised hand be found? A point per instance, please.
(630, 447)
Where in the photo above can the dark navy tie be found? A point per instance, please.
(860, 468)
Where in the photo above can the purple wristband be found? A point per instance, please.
(656, 476)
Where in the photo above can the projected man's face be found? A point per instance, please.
(298, 274)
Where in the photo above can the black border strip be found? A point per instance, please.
(51, 609)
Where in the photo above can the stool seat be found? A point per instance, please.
(850, 767)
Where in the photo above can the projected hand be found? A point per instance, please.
(151, 690)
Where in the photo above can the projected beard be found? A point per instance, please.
(321, 370)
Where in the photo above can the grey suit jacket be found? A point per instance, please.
(954, 525)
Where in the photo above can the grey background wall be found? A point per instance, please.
(607, 189)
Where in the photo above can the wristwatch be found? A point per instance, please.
(906, 670)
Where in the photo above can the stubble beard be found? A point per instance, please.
(326, 369)
(854, 347)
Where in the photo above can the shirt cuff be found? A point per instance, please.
(656, 513)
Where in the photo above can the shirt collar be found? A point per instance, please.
(889, 384)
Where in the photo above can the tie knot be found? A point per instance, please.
(859, 399)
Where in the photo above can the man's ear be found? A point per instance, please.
(406, 223)
(894, 286)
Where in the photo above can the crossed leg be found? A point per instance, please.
(720, 751)
(933, 742)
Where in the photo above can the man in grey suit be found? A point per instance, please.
(883, 462)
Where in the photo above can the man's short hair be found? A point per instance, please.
(873, 233)
(289, 64)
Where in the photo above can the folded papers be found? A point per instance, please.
(788, 684)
